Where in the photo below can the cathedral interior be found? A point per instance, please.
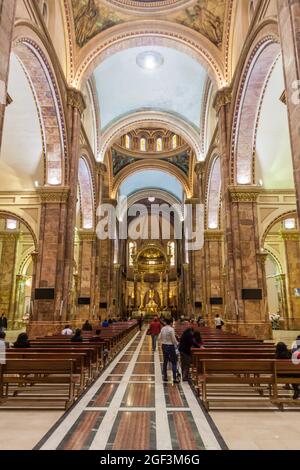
(135, 105)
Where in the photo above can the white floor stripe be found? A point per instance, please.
(205, 431)
(163, 435)
(55, 439)
(101, 438)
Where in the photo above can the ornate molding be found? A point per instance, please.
(222, 98)
(76, 99)
(283, 98)
(244, 193)
(53, 195)
(262, 257)
(292, 235)
(86, 235)
(200, 168)
(10, 236)
(213, 235)
(101, 168)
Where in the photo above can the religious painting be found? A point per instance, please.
(207, 17)
(90, 18)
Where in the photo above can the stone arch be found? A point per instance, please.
(276, 220)
(213, 200)
(256, 72)
(49, 105)
(151, 165)
(8, 214)
(86, 190)
(151, 33)
(153, 119)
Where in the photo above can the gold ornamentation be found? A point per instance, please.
(54, 195)
(86, 235)
(262, 258)
(213, 235)
(222, 98)
(9, 236)
(200, 168)
(244, 193)
(283, 97)
(76, 99)
(101, 168)
(291, 235)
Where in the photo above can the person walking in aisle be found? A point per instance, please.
(154, 331)
(169, 343)
(219, 322)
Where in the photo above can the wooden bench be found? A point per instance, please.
(29, 372)
(255, 373)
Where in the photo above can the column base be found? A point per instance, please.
(262, 331)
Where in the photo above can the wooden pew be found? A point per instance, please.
(23, 372)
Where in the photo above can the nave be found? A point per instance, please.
(130, 408)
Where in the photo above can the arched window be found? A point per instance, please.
(174, 141)
(127, 141)
(143, 144)
(171, 253)
(159, 144)
(131, 253)
(11, 224)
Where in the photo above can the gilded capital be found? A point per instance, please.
(244, 193)
(262, 257)
(53, 194)
(213, 235)
(86, 235)
(222, 98)
(101, 168)
(290, 235)
(76, 99)
(200, 168)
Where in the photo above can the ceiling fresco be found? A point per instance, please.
(91, 17)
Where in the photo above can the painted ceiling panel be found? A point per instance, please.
(175, 87)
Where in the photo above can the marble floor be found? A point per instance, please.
(129, 407)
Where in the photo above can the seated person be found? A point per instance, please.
(22, 341)
(67, 331)
(110, 321)
(198, 342)
(105, 324)
(77, 338)
(2, 340)
(282, 353)
(87, 326)
(96, 337)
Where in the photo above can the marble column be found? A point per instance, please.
(9, 253)
(241, 241)
(289, 26)
(135, 291)
(7, 18)
(213, 267)
(75, 108)
(49, 272)
(292, 254)
(101, 248)
(116, 289)
(86, 273)
(199, 274)
(19, 301)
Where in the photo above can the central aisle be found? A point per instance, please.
(130, 408)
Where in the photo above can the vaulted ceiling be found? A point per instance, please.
(175, 87)
(207, 17)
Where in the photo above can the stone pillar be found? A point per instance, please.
(168, 289)
(8, 261)
(86, 274)
(116, 289)
(100, 293)
(76, 106)
(186, 290)
(49, 272)
(213, 267)
(243, 268)
(135, 291)
(19, 301)
(7, 18)
(292, 254)
(289, 26)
